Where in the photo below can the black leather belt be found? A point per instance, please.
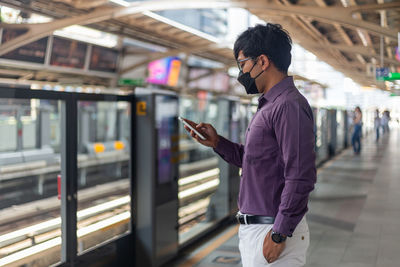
(254, 219)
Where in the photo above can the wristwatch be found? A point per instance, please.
(277, 237)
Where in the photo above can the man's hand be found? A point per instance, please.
(207, 130)
(272, 250)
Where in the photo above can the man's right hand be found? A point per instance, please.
(207, 129)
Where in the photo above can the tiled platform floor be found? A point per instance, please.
(354, 213)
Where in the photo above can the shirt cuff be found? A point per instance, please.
(285, 225)
(223, 146)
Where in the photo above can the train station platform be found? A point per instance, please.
(353, 215)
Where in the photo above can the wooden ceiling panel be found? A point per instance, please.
(353, 35)
(348, 56)
(332, 2)
(393, 17)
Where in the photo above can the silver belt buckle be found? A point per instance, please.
(244, 217)
(238, 217)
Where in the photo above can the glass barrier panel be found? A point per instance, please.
(340, 129)
(55, 133)
(29, 131)
(103, 172)
(30, 222)
(198, 169)
(8, 130)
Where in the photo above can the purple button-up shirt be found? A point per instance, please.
(277, 159)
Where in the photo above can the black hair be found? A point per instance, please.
(270, 40)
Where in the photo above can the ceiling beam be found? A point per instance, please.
(306, 24)
(341, 31)
(341, 15)
(339, 28)
(85, 4)
(363, 50)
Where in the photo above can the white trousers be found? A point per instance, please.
(251, 240)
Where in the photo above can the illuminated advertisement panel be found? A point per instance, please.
(33, 52)
(164, 71)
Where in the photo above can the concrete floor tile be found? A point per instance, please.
(356, 264)
(323, 256)
(361, 249)
(387, 263)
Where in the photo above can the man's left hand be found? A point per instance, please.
(272, 250)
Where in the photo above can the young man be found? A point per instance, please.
(277, 159)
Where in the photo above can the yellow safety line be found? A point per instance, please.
(206, 251)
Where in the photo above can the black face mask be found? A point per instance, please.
(248, 82)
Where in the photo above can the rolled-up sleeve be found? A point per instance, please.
(231, 152)
(294, 130)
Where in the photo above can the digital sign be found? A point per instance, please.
(164, 71)
(166, 127)
(103, 59)
(33, 52)
(68, 53)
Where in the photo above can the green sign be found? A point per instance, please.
(392, 76)
(395, 93)
(131, 82)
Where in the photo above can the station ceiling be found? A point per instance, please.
(344, 33)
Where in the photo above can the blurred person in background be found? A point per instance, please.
(377, 124)
(356, 138)
(385, 121)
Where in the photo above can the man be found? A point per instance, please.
(277, 159)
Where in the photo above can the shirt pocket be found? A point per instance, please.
(255, 142)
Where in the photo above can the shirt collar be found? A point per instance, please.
(276, 90)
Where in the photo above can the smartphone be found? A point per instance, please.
(191, 128)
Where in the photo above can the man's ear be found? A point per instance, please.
(265, 62)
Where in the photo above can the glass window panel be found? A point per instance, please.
(8, 130)
(29, 169)
(200, 194)
(28, 131)
(340, 129)
(198, 170)
(103, 172)
(55, 133)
